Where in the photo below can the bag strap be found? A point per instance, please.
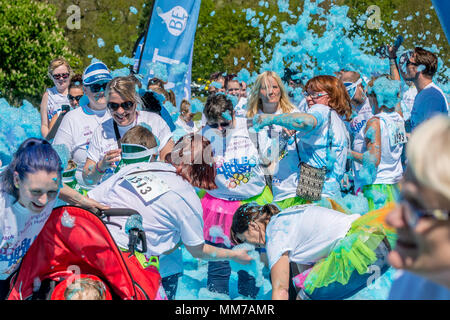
(116, 131)
(329, 141)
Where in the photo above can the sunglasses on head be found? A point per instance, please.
(71, 97)
(128, 105)
(97, 87)
(58, 76)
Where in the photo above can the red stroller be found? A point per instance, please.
(85, 246)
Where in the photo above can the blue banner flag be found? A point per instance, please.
(166, 50)
(442, 8)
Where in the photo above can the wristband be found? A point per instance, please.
(98, 170)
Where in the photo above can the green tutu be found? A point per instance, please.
(324, 202)
(379, 195)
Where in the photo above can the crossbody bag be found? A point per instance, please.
(311, 180)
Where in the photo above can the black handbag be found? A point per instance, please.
(311, 180)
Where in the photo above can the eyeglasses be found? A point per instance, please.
(314, 96)
(71, 97)
(222, 124)
(97, 87)
(58, 76)
(414, 212)
(128, 105)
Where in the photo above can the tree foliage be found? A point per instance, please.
(30, 38)
(228, 37)
(114, 22)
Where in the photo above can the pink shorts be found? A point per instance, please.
(218, 212)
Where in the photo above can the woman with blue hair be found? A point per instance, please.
(29, 188)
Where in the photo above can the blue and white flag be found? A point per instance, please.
(168, 46)
(442, 8)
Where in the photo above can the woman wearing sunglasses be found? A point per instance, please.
(78, 125)
(104, 148)
(74, 96)
(59, 72)
(239, 179)
(421, 219)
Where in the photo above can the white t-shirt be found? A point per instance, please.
(313, 147)
(240, 109)
(308, 232)
(191, 127)
(171, 210)
(356, 128)
(18, 229)
(407, 101)
(239, 175)
(390, 169)
(75, 131)
(285, 170)
(104, 137)
(303, 105)
(55, 102)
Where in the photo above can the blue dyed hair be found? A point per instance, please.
(32, 155)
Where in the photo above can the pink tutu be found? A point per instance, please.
(218, 212)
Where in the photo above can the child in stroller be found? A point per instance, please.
(76, 244)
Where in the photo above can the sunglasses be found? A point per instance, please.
(413, 212)
(97, 87)
(128, 105)
(314, 96)
(408, 62)
(154, 81)
(71, 97)
(58, 76)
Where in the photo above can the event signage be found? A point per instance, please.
(170, 41)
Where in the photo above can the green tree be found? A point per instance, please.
(227, 39)
(115, 22)
(29, 39)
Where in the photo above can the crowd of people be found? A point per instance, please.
(260, 166)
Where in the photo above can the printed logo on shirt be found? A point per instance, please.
(12, 255)
(237, 171)
(87, 131)
(51, 114)
(356, 126)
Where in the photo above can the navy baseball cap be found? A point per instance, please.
(96, 72)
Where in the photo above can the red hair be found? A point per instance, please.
(193, 158)
(339, 99)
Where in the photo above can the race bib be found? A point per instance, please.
(397, 133)
(147, 185)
